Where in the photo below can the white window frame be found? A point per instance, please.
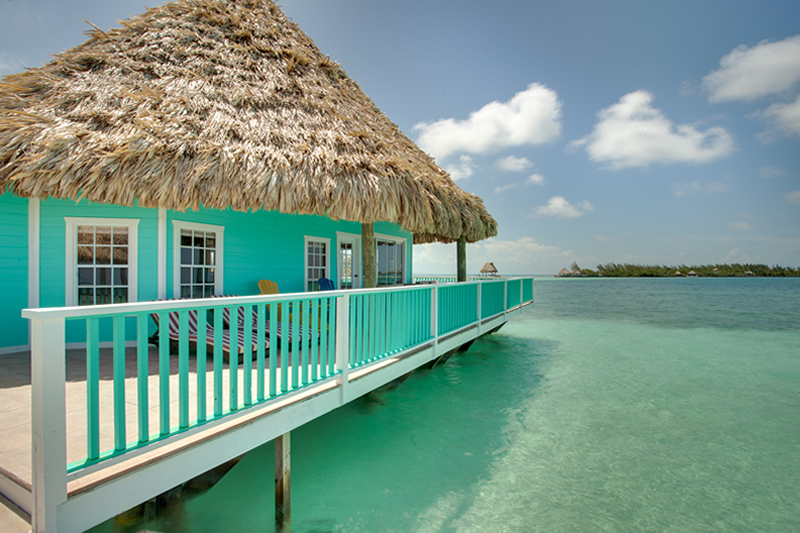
(71, 293)
(177, 226)
(327, 242)
(397, 240)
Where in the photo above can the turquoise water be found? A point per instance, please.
(612, 405)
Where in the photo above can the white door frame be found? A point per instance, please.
(355, 240)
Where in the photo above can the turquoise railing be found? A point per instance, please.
(385, 323)
(527, 289)
(513, 293)
(222, 383)
(289, 342)
(458, 306)
(443, 279)
(492, 298)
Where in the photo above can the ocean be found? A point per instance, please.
(611, 405)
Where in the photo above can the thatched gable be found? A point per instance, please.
(489, 268)
(221, 104)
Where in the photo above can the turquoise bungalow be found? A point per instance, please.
(200, 148)
(150, 178)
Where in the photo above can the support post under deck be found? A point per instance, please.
(283, 481)
(461, 259)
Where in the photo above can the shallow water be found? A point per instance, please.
(612, 405)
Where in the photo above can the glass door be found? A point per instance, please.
(349, 262)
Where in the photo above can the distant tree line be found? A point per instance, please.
(624, 270)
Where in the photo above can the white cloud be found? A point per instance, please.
(771, 172)
(559, 207)
(513, 164)
(783, 118)
(749, 73)
(792, 197)
(536, 179)
(681, 190)
(533, 179)
(632, 133)
(532, 116)
(463, 169)
(740, 225)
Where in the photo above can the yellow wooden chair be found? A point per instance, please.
(267, 286)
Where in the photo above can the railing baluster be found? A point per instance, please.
(218, 365)
(316, 311)
(247, 364)
(284, 312)
(92, 388)
(233, 358)
(163, 372)
(333, 330)
(183, 369)
(295, 343)
(143, 372)
(201, 362)
(261, 316)
(273, 348)
(119, 382)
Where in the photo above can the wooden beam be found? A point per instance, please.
(283, 482)
(368, 253)
(461, 258)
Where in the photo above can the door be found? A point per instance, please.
(349, 261)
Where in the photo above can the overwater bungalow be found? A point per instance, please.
(147, 173)
(489, 270)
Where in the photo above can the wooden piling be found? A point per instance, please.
(461, 258)
(368, 254)
(283, 477)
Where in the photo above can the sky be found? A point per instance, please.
(595, 131)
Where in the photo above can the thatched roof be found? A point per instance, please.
(221, 104)
(488, 268)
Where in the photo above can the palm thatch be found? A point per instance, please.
(489, 269)
(226, 105)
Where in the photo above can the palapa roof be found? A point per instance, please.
(488, 268)
(220, 104)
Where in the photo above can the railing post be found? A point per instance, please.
(48, 422)
(480, 311)
(435, 318)
(505, 297)
(343, 342)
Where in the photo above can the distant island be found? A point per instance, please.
(625, 270)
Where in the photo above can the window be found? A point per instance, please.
(317, 261)
(101, 261)
(390, 260)
(197, 259)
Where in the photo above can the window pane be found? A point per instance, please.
(103, 276)
(103, 296)
(186, 256)
(120, 235)
(209, 275)
(85, 255)
(103, 235)
(85, 234)
(120, 276)
(197, 275)
(186, 237)
(120, 255)
(120, 295)
(85, 276)
(209, 291)
(102, 255)
(211, 239)
(86, 296)
(197, 291)
(186, 291)
(186, 275)
(199, 238)
(209, 257)
(198, 257)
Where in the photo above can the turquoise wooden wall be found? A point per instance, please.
(257, 245)
(13, 270)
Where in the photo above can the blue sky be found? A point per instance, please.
(595, 132)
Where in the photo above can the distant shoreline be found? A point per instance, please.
(614, 270)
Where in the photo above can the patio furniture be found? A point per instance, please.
(326, 284)
(192, 333)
